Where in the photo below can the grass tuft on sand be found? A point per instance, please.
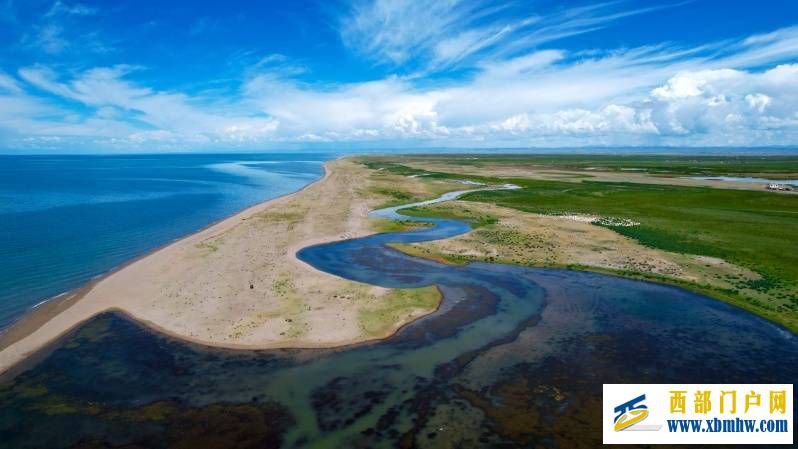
(402, 306)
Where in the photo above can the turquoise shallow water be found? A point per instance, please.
(66, 219)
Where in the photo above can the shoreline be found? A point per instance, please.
(40, 331)
(27, 323)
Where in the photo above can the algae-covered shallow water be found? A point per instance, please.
(514, 357)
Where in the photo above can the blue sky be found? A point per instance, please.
(205, 76)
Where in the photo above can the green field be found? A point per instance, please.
(753, 229)
(677, 165)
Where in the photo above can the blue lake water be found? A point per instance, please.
(66, 219)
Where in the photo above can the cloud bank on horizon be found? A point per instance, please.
(88, 76)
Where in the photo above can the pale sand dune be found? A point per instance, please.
(238, 283)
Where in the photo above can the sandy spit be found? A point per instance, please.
(235, 284)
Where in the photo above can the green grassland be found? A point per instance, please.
(756, 230)
(677, 165)
(752, 229)
(386, 225)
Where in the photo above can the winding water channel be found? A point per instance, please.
(514, 357)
